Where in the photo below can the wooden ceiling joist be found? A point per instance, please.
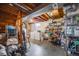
(31, 5)
(37, 8)
(9, 11)
(5, 16)
(47, 15)
(26, 6)
(42, 17)
(21, 8)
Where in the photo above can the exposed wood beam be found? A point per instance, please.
(47, 15)
(21, 8)
(37, 8)
(43, 18)
(19, 27)
(26, 6)
(7, 22)
(38, 19)
(9, 9)
(31, 5)
(5, 15)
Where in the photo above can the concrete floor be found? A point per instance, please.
(44, 49)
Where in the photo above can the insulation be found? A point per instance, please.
(2, 50)
(12, 41)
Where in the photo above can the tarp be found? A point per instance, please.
(10, 27)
